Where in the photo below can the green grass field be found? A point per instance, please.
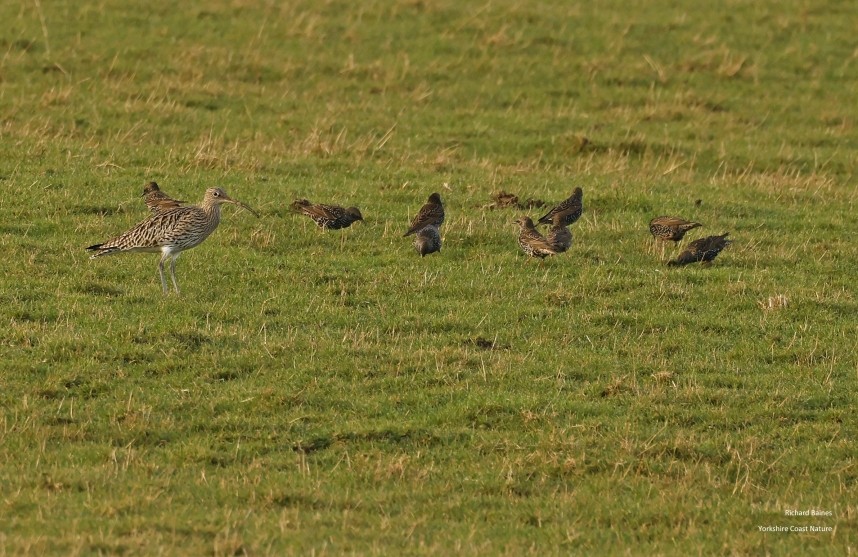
(328, 393)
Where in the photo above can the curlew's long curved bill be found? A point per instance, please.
(240, 204)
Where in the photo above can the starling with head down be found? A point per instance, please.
(703, 250)
(156, 200)
(571, 209)
(559, 236)
(670, 228)
(432, 213)
(328, 217)
(427, 240)
(531, 241)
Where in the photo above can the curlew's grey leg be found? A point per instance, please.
(173, 272)
(161, 271)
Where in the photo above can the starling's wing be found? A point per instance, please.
(327, 212)
(430, 214)
(537, 242)
(671, 222)
(571, 207)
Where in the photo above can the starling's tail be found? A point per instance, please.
(99, 250)
(299, 204)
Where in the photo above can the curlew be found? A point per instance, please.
(531, 241)
(571, 208)
(427, 240)
(328, 217)
(157, 200)
(703, 250)
(171, 232)
(431, 213)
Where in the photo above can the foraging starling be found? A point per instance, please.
(571, 208)
(328, 217)
(431, 213)
(157, 200)
(531, 241)
(670, 228)
(559, 237)
(703, 250)
(427, 240)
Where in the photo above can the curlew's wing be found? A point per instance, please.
(151, 234)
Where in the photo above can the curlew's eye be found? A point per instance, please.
(216, 193)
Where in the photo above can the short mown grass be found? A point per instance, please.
(333, 393)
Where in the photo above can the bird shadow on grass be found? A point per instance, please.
(97, 210)
(100, 290)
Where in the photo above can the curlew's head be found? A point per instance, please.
(354, 212)
(216, 196)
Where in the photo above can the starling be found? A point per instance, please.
(670, 228)
(531, 241)
(427, 240)
(431, 213)
(571, 209)
(157, 200)
(328, 217)
(703, 250)
(559, 236)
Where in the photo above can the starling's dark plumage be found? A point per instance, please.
(156, 200)
(670, 228)
(431, 213)
(531, 241)
(427, 240)
(571, 208)
(703, 250)
(559, 236)
(331, 217)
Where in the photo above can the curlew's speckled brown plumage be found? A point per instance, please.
(531, 241)
(156, 200)
(670, 228)
(703, 250)
(171, 232)
(431, 213)
(559, 236)
(571, 208)
(328, 217)
(427, 240)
